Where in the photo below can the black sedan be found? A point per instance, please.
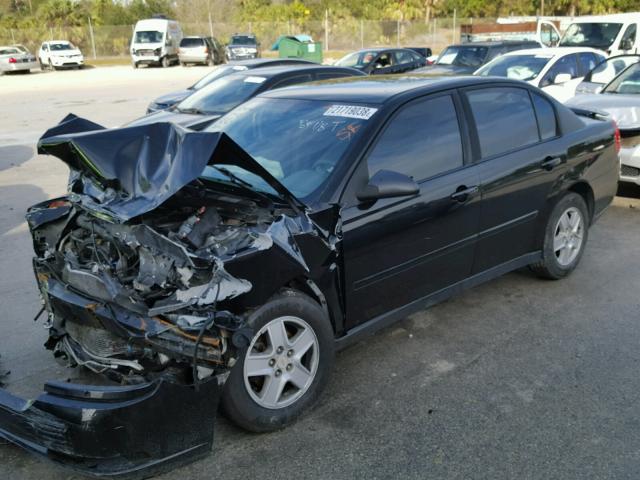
(222, 95)
(466, 58)
(381, 61)
(190, 267)
(170, 99)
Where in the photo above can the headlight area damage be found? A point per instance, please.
(148, 273)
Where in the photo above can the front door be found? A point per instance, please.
(400, 250)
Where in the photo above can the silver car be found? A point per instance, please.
(16, 58)
(620, 98)
(199, 50)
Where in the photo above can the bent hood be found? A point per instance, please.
(124, 172)
(624, 109)
(187, 120)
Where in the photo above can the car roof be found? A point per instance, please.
(379, 89)
(270, 72)
(497, 43)
(555, 51)
(380, 49)
(255, 62)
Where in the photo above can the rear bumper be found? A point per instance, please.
(115, 432)
(20, 67)
(193, 57)
(630, 165)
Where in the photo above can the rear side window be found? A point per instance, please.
(404, 57)
(191, 42)
(422, 140)
(504, 119)
(587, 62)
(546, 115)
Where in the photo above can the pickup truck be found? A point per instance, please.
(186, 268)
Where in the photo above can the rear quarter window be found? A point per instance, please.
(546, 115)
(504, 119)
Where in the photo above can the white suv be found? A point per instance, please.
(60, 54)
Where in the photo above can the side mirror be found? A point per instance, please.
(388, 184)
(562, 78)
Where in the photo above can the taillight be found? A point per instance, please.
(12, 60)
(206, 50)
(616, 136)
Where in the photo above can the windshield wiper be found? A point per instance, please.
(234, 178)
(193, 110)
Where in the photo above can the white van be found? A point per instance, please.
(155, 42)
(615, 34)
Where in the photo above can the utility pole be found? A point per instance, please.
(453, 33)
(93, 40)
(326, 30)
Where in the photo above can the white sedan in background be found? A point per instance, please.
(557, 71)
(16, 58)
(60, 54)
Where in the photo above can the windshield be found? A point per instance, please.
(192, 42)
(299, 142)
(520, 67)
(628, 82)
(219, 72)
(463, 56)
(606, 71)
(596, 35)
(243, 40)
(222, 94)
(357, 59)
(61, 46)
(148, 37)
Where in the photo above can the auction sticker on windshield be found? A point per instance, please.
(254, 79)
(350, 111)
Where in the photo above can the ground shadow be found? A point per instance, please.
(14, 201)
(14, 155)
(628, 190)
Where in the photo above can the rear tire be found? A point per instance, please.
(565, 238)
(291, 354)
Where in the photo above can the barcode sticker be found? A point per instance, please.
(350, 111)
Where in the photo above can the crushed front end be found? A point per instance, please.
(133, 267)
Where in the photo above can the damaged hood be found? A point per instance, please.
(124, 172)
(187, 120)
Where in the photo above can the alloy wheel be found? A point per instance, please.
(281, 362)
(567, 239)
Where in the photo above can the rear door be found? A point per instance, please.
(400, 250)
(404, 61)
(519, 151)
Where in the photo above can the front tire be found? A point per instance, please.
(285, 368)
(165, 62)
(565, 238)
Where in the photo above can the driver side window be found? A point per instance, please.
(566, 64)
(628, 37)
(422, 140)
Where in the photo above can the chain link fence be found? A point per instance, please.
(337, 37)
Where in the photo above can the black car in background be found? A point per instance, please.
(170, 99)
(188, 267)
(466, 58)
(202, 50)
(242, 46)
(209, 103)
(382, 61)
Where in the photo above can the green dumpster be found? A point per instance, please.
(299, 46)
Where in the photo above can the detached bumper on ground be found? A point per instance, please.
(124, 432)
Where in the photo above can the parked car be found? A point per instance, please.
(604, 72)
(557, 71)
(242, 46)
(155, 41)
(614, 34)
(59, 54)
(466, 58)
(381, 61)
(621, 100)
(15, 59)
(424, 51)
(205, 50)
(170, 99)
(187, 267)
(205, 106)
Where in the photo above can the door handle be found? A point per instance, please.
(550, 163)
(463, 193)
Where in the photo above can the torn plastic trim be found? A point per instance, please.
(121, 173)
(116, 432)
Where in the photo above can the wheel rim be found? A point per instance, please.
(567, 240)
(281, 362)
